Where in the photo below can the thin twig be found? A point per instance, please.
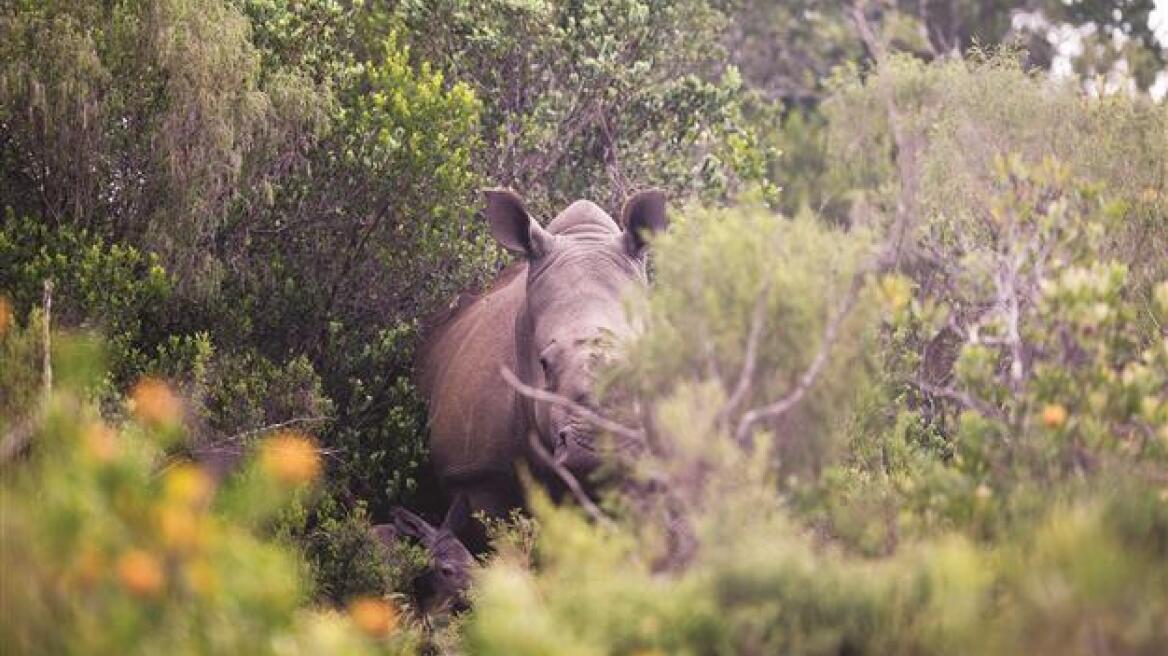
(569, 480)
(541, 452)
(964, 398)
(295, 421)
(46, 324)
(582, 411)
(777, 409)
(750, 361)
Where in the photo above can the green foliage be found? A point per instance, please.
(987, 470)
(594, 99)
(925, 412)
(114, 287)
(110, 547)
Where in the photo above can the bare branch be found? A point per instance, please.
(964, 398)
(583, 412)
(750, 361)
(570, 480)
(811, 374)
(295, 421)
(47, 321)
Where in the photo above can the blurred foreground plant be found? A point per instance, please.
(106, 546)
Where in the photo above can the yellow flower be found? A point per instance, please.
(154, 403)
(376, 617)
(100, 441)
(179, 528)
(1054, 415)
(188, 484)
(88, 566)
(291, 458)
(896, 291)
(5, 315)
(141, 573)
(201, 577)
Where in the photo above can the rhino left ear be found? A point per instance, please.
(408, 524)
(643, 216)
(458, 515)
(513, 227)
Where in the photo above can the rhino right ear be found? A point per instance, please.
(386, 534)
(409, 524)
(513, 227)
(458, 515)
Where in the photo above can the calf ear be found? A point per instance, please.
(458, 515)
(643, 216)
(513, 227)
(409, 524)
(386, 534)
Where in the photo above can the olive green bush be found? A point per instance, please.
(111, 546)
(976, 467)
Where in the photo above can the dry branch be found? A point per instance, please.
(777, 409)
(569, 480)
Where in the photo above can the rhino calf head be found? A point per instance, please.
(444, 583)
(580, 271)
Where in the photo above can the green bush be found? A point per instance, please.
(110, 546)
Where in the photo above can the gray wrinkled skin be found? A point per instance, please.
(548, 319)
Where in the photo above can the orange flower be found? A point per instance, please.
(201, 577)
(188, 484)
(291, 458)
(179, 528)
(100, 441)
(88, 567)
(5, 315)
(1054, 415)
(154, 403)
(376, 617)
(141, 573)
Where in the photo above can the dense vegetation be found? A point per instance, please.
(904, 375)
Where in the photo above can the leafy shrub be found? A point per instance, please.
(108, 546)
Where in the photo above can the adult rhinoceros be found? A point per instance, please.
(546, 318)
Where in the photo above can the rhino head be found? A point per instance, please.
(580, 271)
(443, 585)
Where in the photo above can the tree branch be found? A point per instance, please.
(777, 409)
(584, 412)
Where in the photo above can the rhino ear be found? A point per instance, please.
(409, 524)
(644, 215)
(513, 227)
(386, 534)
(458, 515)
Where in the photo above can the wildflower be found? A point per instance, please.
(88, 566)
(291, 458)
(896, 292)
(376, 617)
(140, 572)
(1054, 415)
(201, 577)
(100, 441)
(153, 403)
(188, 484)
(179, 528)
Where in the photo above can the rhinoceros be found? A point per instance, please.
(547, 318)
(443, 584)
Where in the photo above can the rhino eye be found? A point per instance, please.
(543, 363)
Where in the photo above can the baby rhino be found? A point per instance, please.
(442, 586)
(549, 319)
